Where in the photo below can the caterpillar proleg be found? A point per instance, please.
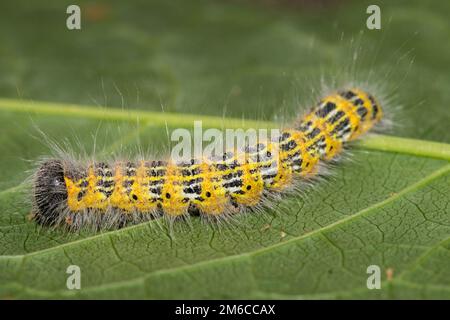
(101, 194)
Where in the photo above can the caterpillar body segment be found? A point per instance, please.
(72, 194)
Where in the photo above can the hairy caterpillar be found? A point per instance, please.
(109, 195)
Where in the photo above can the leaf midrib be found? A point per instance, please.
(414, 147)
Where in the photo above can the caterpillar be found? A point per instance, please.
(100, 194)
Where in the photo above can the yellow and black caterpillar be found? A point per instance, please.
(112, 194)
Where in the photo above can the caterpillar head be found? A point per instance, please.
(49, 192)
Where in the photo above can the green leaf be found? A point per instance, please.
(389, 206)
(384, 208)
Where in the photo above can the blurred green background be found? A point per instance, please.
(257, 57)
